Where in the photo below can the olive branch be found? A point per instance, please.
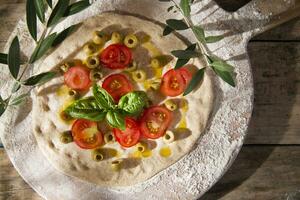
(219, 66)
(47, 40)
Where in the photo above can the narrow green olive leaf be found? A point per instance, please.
(40, 9)
(212, 39)
(185, 7)
(164, 0)
(3, 58)
(16, 87)
(39, 79)
(103, 98)
(64, 34)
(19, 99)
(3, 106)
(185, 54)
(31, 19)
(77, 7)
(181, 62)
(177, 24)
(134, 102)
(115, 119)
(14, 57)
(58, 12)
(199, 32)
(197, 78)
(49, 2)
(222, 66)
(226, 76)
(42, 48)
(86, 108)
(167, 30)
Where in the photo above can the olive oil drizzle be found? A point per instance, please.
(184, 108)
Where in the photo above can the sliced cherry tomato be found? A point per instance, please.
(130, 136)
(155, 121)
(173, 83)
(117, 85)
(86, 134)
(78, 78)
(186, 74)
(116, 56)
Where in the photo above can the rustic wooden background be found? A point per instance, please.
(268, 166)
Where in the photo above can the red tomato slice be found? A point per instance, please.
(86, 134)
(130, 136)
(116, 56)
(186, 74)
(172, 84)
(155, 121)
(78, 78)
(117, 85)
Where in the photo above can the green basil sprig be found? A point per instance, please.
(102, 106)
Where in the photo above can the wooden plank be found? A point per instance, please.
(12, 186)
(261, 173)
(276, 72)
(287, 31)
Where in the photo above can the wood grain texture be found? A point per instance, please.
(289, 31)
(261, 173)
(276, 72)
(12, 186)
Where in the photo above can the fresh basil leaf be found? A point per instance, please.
(14, 57)
(103, 98)
(31, 19)
(64, 34)
(42, 48)
(87, 108)
(40, 9)
(185, 54)
(39, 79)
(3, 106)
(16, 87)
(225, 76)
(222, 66)
(49, 2)
(19, 99)
(181, 62)
(133, 103)
(115, 119)
(58, 12)
(195, 81)
(212, 39)
(77, 7)
(167, 30)
(199, 32)
(177, 24)
(185, 7)
(3, 58)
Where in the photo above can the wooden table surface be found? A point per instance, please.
(268, 166)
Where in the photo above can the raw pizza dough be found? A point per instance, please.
(76, 162)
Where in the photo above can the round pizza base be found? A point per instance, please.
(77, 162)
(188, 178)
